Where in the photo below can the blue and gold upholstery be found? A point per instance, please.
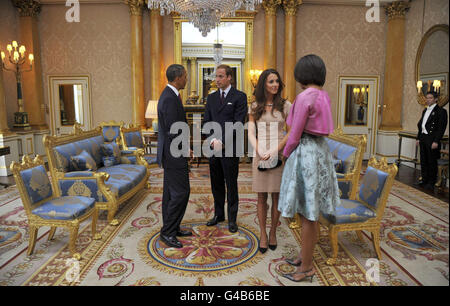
(348, 152)
(83, 161)
(95, 184)
(111, 152)
(111, 131)
(132, 140)
(364, 212)
(46, 207)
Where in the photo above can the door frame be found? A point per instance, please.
(84, 80)
(373, 128)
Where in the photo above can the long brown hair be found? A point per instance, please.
(260, 95)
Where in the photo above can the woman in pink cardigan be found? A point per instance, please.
(309, 183)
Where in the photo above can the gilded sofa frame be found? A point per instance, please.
(35, 221)
(372, 225)
(111, 204)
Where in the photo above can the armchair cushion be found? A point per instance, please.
(83, 161)
(36, 183)
(350, 211)
(64, 208)
(112, 153)
(150, 160)
(372, 186)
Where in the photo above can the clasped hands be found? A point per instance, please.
(265, 155)
(434, 145)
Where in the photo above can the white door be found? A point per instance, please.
(357, 108)
(70, 103)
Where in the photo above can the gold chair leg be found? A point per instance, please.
(51, 234)
(73, 240)
(376, 242)
(334, 246)
(111, 219)
(33, 230)
(295, 224)
(95, 235)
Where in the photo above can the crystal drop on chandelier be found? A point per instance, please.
(204, 14)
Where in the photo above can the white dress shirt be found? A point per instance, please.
(426, 116)
(174, 89)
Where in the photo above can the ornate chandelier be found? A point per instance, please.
(204, 14)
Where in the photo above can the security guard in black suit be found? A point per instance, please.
(226, 105)
(431, 128)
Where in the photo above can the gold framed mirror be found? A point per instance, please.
(432, 64)
(247, 61)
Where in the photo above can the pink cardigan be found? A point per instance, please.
(311, 112)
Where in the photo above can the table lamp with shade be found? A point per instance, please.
(152, 113)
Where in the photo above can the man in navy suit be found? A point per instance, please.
(176, 188)
(226, 105)
(431, 127)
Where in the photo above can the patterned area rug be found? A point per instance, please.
(414, 245)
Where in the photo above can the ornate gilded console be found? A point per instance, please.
(109, 186)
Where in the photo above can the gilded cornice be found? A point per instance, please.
(397, 9)
(27, 8)
(290, 6)
(136, 6)
(270, 6)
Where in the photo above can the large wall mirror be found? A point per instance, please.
(69, 103)
(197, 54)
(432, 62)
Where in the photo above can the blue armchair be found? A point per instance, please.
(46, 207)
(366, 210)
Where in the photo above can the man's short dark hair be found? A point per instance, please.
(432, 92)
(174, 71)
(227, 68)
(310, 69)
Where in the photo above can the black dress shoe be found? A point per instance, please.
(232, 227)
(214, 221)
(171, 241)
(273, 247)
(182, 233)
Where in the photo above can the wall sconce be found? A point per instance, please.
(254, 76)
(17, 59)
(431, 84)
(152, 113)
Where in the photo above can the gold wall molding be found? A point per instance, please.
(270, 7)
(397, 9)
(136, 6)
(27, 8)
(290, 7)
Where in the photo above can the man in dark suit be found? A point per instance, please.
(431, 127)
(226, 105)
(176, 188)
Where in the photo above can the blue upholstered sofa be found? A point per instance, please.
(109, 185)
